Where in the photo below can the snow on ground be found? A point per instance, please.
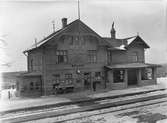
(104, 118)
(162, 81)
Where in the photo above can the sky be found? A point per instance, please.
(21, 21)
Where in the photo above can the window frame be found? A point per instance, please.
(134, 56)
(92, 56)
(61, 54)
(119, 76)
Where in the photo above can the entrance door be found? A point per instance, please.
(87, 80)
(132, 77)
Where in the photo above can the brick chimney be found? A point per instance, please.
(64, 22)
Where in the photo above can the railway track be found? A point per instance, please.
(155, 97)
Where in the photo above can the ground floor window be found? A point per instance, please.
(56, 80)
(147, 74)
(97, 76)
(68, 78)
(118, 76)
(31, 85)
(37, 84)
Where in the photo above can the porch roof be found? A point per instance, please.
(131, 65)
(31, 74)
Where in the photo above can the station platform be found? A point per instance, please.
(70, 98)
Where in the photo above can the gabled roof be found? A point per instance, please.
(138, 40)
(122, 44)
(75, 26)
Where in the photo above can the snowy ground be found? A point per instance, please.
(132, 113)
(162, 81)
(154, 113)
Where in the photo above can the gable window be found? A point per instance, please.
(134, 57)
(77, 40)
(109, 57)
(61, 56)
(92, 56)
(118, 76)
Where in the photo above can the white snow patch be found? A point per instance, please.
(162, 81)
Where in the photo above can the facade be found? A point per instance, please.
(76, 58)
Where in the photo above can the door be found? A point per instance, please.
(87, 80)
(132, 77)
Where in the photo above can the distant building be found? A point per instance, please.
(9, 79)
(76, 58)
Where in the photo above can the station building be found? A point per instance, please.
(77, 58)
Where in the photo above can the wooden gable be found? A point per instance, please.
(138, 41)
(76, 27)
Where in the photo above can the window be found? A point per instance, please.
(109, 57)
(56, 80)
(61, 56)
(31, 64)
(134, 57)
(92, 56)
(68, 78)
(77, 40)
(147, 74)
(97, 75)
(37, 85)
(31, 85)
(118, 76)
(71, 40)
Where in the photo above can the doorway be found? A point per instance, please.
(87, 80)
(132, 77)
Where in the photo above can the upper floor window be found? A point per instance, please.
(61, 56)
(77, 41)
(109, 57)
(134, 57)
(92, 56)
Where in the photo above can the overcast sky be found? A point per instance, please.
(23, 21)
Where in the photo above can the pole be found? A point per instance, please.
(53, 22)
(78, 10)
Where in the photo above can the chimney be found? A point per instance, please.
(113, 32)
(64, 22)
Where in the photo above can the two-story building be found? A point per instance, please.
(77, 58)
